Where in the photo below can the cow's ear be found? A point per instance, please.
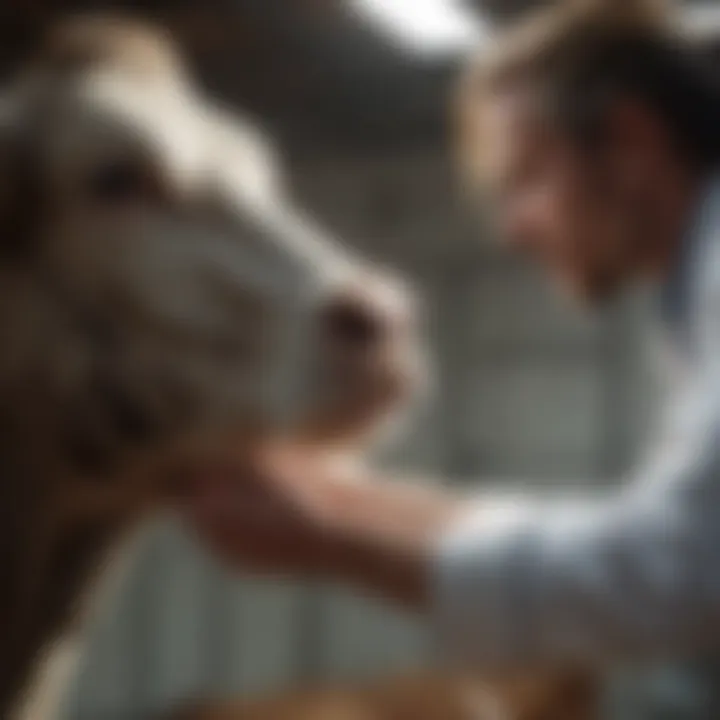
(8, 113)
(20, 201)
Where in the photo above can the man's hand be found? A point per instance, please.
(293, 510)
(269, 511)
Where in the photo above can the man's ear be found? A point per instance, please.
(639, 144)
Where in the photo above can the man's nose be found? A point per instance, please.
(372, 312)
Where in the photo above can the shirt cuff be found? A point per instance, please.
(478, 567)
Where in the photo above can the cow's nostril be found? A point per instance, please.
(351, 322)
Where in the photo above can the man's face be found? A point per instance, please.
(571, 209)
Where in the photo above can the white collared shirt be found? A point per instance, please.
(633, 574)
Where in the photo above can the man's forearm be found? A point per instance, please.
(382, 537)
(517, 580)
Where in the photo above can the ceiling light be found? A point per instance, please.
(425, 26)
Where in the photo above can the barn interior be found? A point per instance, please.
(357, 96)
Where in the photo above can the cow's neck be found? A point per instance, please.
(51, 551)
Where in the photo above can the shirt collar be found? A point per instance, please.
(677, 288)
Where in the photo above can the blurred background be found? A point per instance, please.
(357, 96)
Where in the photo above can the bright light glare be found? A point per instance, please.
(427, 26)
(703, 18)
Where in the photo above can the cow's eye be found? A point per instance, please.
(117, 181)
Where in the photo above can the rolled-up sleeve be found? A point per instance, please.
(636, 573)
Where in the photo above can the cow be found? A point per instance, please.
(162, 300)
(164, 303)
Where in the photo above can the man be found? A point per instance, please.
(598, 136)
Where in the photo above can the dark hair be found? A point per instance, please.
(672, 78)
(582, 56)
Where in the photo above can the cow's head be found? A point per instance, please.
(168, 285)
